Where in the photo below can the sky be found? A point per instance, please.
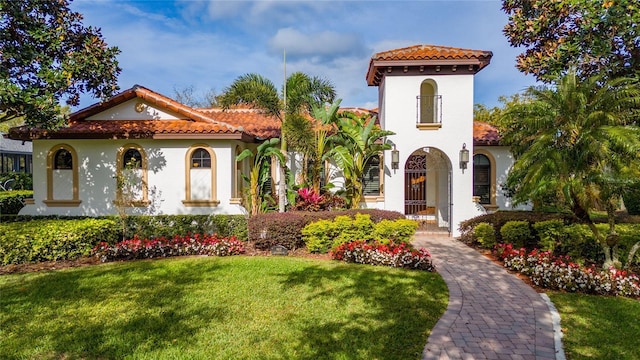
(169, 45)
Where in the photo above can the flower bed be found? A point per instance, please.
(559, 273)
(162, 247)
(391, 254)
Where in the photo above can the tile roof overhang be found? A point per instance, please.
(192, 123)
(426, 59)
(485, 134)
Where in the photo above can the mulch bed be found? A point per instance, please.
(87, 261)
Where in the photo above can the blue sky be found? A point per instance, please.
(169, 44)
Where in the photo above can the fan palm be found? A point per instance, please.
(578, 140)
(303, 92)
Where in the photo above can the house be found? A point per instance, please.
(15, 156)
(147, 154)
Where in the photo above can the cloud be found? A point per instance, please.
(319, 46)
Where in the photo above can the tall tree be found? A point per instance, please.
(592, 35)
(303, 92)
(188, 96)
(358, 139)
(47, 55)
(578, 140)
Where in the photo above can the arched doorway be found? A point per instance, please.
(427, 194)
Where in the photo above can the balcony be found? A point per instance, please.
(429, 112)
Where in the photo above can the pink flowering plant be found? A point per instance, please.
(137, 248)
(560, 273)
(401, 255)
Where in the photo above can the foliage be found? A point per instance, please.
(285, 229)
(19, 180)
(187, 95)
(47, 240)
(234, 307)
(12, 201)
(324, 119)
(167, 226)
(499, 218)
(632, 198)
(398, 231)
(596, 37)
(391, 254)
(560, 273)
(302, 94)
(516, 232)
(309, 200)
(551, 234)
(260, 171)
(577, 141)
(205, 244)
(357, 141)
(322, 235)
(48, 55)
(485, 234)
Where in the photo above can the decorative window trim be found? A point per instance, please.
(492, 189)
(237, 185)
(212, 201)
(75, 200)
(425, 126)
(144, 202)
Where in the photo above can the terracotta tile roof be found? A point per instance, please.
(421, 56)
(252, 121)
(485, 134)
(193, 123)
(130, 129)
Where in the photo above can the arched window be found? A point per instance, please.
(63, 160)
(201, 159)
(200, 177)
(429, 102)
(62, 171)
(132, 177)
(482, 178)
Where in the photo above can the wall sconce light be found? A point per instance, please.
(464, 157)
(395, 158)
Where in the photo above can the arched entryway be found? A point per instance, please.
(427, 189)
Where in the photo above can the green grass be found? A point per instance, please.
(220, 308)
(599, 327)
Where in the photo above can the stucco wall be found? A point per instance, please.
(400, 113)
(503, 161)
(166, 177)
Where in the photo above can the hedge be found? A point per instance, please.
(48, 240)
(12, 201)
(285, 229)
(156, 226)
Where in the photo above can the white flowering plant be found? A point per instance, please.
(560, 273)
(401, 255)
(136, 248)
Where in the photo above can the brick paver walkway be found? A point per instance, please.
(491, 314)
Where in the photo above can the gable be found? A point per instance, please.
(136, 109)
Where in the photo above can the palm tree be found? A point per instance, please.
(358, 140)
(324, 119)
(578, 140)
(303, 92)
(258, 174)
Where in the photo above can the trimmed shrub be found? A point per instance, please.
(485, 235)
(48, 240)
(397, 231)
(516, 233)
(550, 234)
(319, 236)
(12, 201)
(157, 226)
(348, 229)
(20, 180)
(285, 229)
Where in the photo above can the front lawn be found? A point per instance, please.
(220, 308)
(598, 327)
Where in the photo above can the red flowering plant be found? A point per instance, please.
(560, 273)
(391, 254)
(136, 248)
(309, 200)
